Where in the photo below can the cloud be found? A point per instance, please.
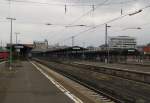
(32, 17)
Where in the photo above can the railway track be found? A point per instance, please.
(137, 64)
(106, 98)
(127, 74)
(118, 94)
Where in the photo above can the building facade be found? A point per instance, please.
(146, 50)
(40, 44)
(122, 42)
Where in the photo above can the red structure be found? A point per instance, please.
(4, 55)
(147, 50)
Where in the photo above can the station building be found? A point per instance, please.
(21, 50)
(122, 42)
(40, 44)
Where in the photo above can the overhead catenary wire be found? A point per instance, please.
(53, 4)
(91, 10)
(71, 4)
(100, 4)
(139, 27)
(145, 24)
(112, 20)
(74, 21)
(85, 15)
(82, 32)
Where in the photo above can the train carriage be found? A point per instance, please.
(4, 55)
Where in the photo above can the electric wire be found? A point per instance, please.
(112, 20)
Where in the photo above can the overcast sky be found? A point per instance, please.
(31, 18)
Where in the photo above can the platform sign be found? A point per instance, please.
(131, 50)
(19, 47)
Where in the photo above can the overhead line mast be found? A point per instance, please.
(120, 17)
(11, 31)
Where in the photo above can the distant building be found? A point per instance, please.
(91, 48)
(147, 50)
(122, 42)
(40, 44)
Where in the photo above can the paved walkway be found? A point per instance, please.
(27, 85)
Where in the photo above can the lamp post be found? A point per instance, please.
(72, 37)
(106, 41)
(81, 25)
(136, 12)
(10, 55)
(138, 28)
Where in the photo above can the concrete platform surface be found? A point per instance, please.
(27, 85)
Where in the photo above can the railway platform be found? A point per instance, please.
(25, 84)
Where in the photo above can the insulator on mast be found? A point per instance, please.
(65, 9)
(93, 7)
(121, 11)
